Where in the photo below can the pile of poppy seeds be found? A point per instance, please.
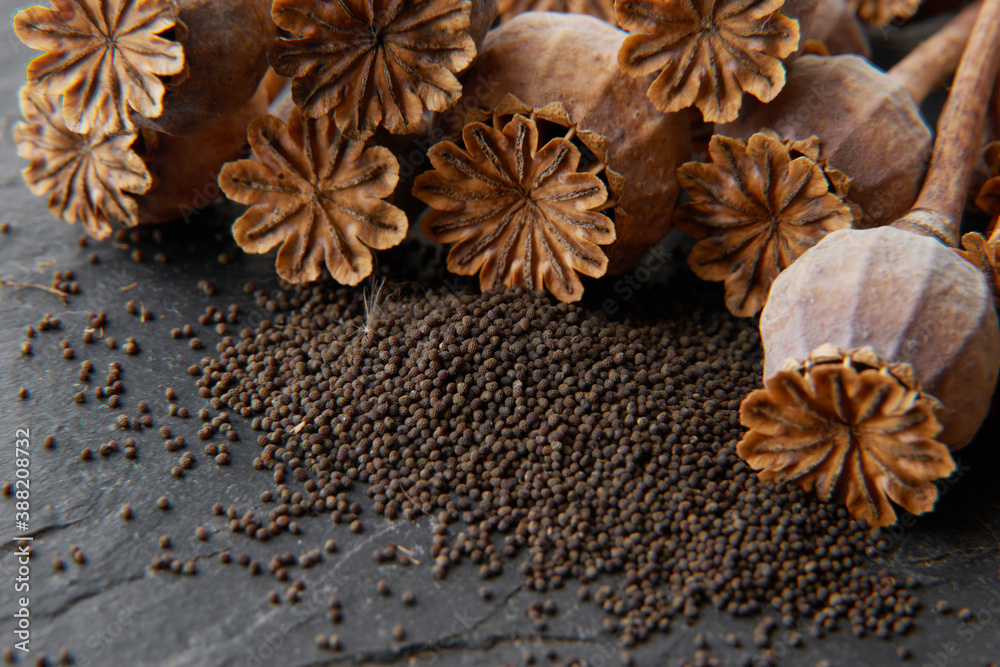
(546, 434)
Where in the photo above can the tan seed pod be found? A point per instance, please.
(380, 63)
(120, 64)
(316, 194)
(110, 181)
(852, 427)
(186, 169)
(225, 48)
(103, 61)
(519, 212)
(830, 23)
(880, 13)
(561, 68)
(88, 178)
(869, 127)
(911, 298)
(903, 289)
(707, 54)
(757, 207)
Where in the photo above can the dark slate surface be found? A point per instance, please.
(115, 610)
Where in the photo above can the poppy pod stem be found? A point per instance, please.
(960, 133)
(922, 70)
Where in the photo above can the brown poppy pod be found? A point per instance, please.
(829, 22)
(565, 68)
(225, 53)
(903, 289)
(868, 125)
(186, 169)
(911, 298)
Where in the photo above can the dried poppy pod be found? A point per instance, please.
(852, 426)
(88, 178)
(316, 194)
(173, 66)
(225, 49)
(757, 207)
(378, 63)
(868, 125)
(830, 23)
(561, 67)
(186, 169)
(880, 13)
(908, 296)
(868, 122)
(519, 212)
(984, 253)
(122, 180)
(602, 9)
(707, 54)
(902, 289)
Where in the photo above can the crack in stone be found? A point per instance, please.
(90, 594)
(392, 656)
(41, 532)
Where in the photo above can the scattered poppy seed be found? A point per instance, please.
(163, 503)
